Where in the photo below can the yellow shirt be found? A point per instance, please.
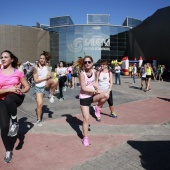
(130, 69)
(148, 71)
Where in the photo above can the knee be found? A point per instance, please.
(86, 120)
(55, 82)
(7, 99)
(106, 95)
(40, 105)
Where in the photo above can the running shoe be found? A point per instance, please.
(61, 99)
(39, 123)
(49, 96)
(13, 131)
(8, 157)
(113, 114)
(97, 112)
(52, 99)
(64, 88)
(85, 141)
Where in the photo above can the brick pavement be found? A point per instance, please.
(138, 139)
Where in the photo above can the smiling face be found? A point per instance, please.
(42, 60)
(6, 59)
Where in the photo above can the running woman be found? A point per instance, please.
(89, 93)
(43, 81)
(104, 80)
(11, 97)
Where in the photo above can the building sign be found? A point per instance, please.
(89, 44)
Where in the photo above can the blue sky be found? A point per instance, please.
(28, 12)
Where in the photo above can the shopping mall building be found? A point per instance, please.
(98, 38)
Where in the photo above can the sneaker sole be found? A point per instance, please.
(8, 162)
(12, 135)
(98, 119)
(85, 144)
(113, 116)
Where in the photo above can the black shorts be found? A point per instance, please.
(148, 76)
(75, 75)
(86, 101)
(143, 78)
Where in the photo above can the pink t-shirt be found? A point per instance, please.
(10, 80)
(69, 69)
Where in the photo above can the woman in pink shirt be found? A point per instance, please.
(89, 93)
(11, 96)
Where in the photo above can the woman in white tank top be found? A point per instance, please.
(105, 81)
(43, 81)
(89, 93)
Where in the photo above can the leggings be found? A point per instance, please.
(8, 108)
(62, 80)
(110, 99)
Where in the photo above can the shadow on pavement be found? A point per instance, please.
(46, 110)
(24, 127)
(155, 155)
(75, 123)
(162, 98)
(134, 87)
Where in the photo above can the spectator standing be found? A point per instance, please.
(62, 75)
(134, 69)
(130, 70)
(29, 71)
(117, 73)
(148, 77)
(143, 76)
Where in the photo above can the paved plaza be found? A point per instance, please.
(138, 139)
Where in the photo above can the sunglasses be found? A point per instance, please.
(89, 62)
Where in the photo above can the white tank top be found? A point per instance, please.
(104, 81)
(89, 84)
(42, 73)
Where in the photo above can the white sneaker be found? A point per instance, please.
(64, 88)
(61, 99)
(49, 96)
(52, 99)
(39, 123)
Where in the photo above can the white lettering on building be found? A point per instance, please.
(89, 44)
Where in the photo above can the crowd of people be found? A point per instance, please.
(95, 87)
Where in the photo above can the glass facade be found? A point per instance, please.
(98, 19)
(131, 22)
(97, 40)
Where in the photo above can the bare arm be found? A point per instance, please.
(25, 84)
(35, 76)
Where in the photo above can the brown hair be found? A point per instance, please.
(12, 56)
(104, 62)
(47, 55)
(80, 61)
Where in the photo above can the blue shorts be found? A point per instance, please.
(39, 89)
